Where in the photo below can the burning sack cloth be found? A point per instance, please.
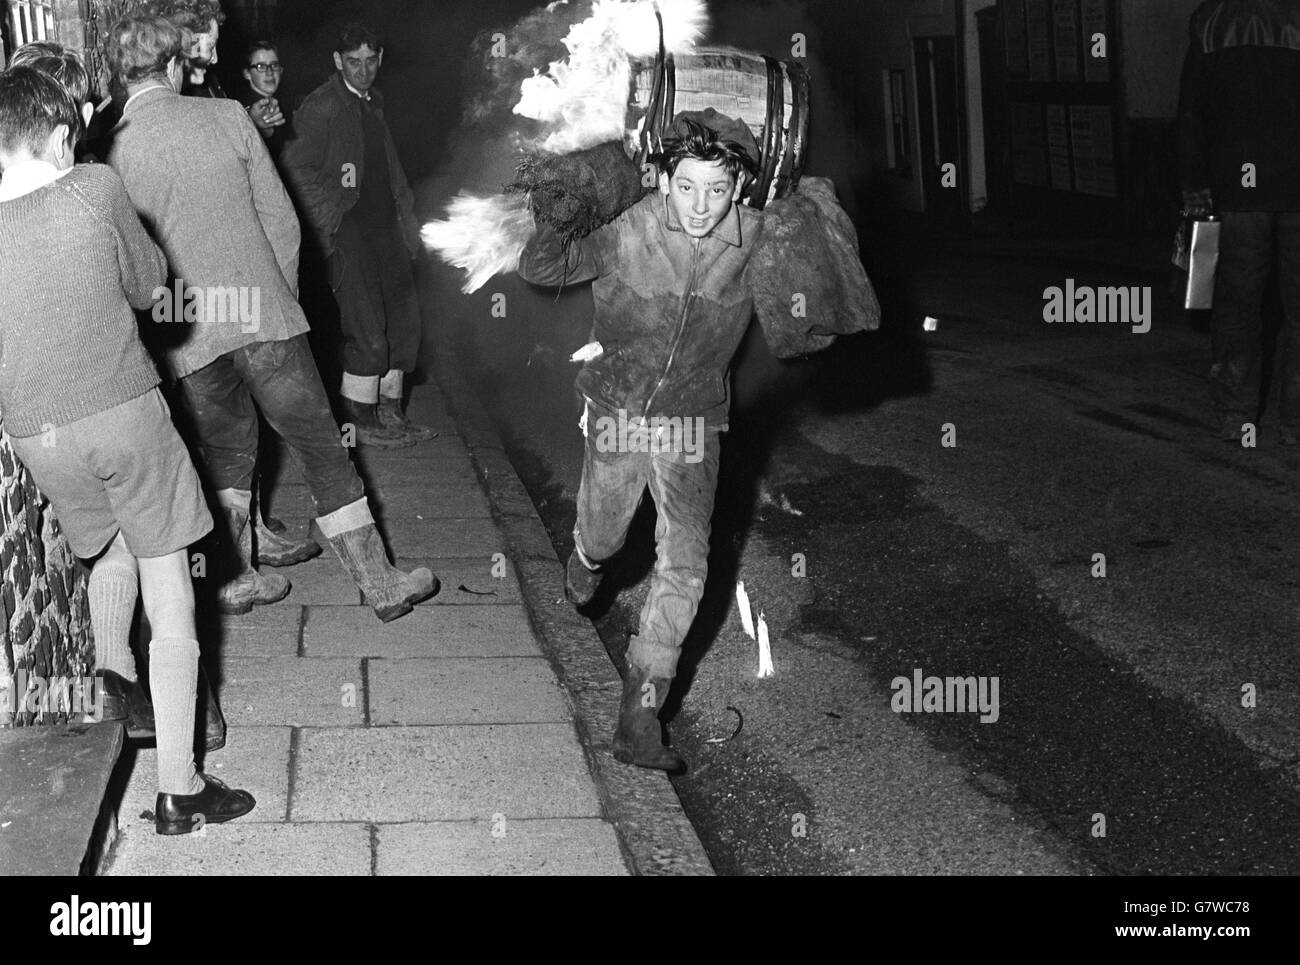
(808, 281)
(578, 193)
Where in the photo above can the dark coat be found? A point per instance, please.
(328, 136)
(1240, 105)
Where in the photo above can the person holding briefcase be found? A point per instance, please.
(1238, 124)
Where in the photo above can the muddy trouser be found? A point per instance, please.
(682, 485)
(281, 378)
(1251, 243)
(379, 307)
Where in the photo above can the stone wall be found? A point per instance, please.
(44, 615)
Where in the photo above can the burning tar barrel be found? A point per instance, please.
(769, 95)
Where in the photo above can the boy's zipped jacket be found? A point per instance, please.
(671, 310)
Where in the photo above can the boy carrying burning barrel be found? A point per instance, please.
(675, 279)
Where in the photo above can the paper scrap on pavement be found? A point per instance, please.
(592, 350)
(746, 616)
(765, 668)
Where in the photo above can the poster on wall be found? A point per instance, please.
(1013, 28)
(1092, 143)
(1038, 27)
(1028, 145)
(1065, 40)
(1058, 147)
(1095, 18)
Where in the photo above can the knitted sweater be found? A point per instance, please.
(75, 261)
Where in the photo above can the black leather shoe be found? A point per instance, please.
(186, 813)
(125, 700)
(210, 717)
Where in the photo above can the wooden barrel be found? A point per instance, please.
(769, 95)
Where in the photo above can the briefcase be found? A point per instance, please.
(1196, 256)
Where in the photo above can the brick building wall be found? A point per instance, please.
(44, 615)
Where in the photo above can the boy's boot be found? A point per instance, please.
(639, 737)
(247, 587)
(580, 581)
(359, 402)
(274, 549)
(391, 414)
(353, 536)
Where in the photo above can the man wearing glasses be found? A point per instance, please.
(264, 73)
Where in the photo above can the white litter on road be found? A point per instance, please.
(742, 602)
(765, 668)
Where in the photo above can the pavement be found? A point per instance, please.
(468, 737)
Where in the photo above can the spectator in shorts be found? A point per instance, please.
(114, 586)
(81, 404)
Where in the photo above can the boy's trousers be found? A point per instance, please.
(281, 378)
(682, 484)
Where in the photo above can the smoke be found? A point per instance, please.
(580, 101)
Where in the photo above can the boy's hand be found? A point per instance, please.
(266, 114)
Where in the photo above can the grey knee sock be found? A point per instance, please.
(173, 679)
(114, 587)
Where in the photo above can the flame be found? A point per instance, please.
(584, 97)
(484, 236)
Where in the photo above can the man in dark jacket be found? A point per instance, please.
(343, 167)
(1239, 124)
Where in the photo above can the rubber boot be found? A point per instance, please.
(247, 587)
(354, 538)
(392, 417)
(580, 583)
(639, 737)
(274, 549)
(364, 418)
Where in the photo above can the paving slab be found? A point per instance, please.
(438, 500)
(446, 443)
(461, 690)
(427, 631)
(245, 848)
(387, 774)
(396, 476)
(322, 580)
(583, 846)
(254, 758)
(289, 691)
(435, 538)
(267, 631)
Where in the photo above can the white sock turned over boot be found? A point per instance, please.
(390, 592)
